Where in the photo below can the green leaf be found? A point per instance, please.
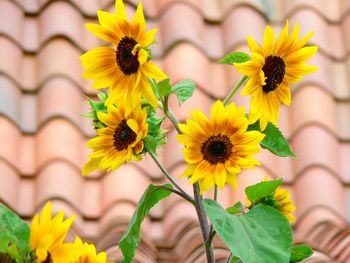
(300, 252)
(235, 57)
(234, 259)
(262, 235)
(261, 190)
(274, 140)
(164, 87)
(14, 235)
(131, 238)
(183, 90)
(235, 209)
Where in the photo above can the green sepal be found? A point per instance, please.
(235, 57)
(14, 236)
(183, 90)
(263, 192)
(300, 252)
(97, 106)
(235, 209)
(262, 235)
(156, 136)
(131, 238)
(274, 140)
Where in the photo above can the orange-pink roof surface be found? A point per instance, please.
(43, 136)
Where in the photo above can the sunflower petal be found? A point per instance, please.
(120, 9)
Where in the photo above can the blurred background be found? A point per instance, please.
(43, 136)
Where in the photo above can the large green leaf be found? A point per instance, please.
(183, 90)
(263, 235)
(235, 57)
(14, 235)
(261, 190)
(300, 252)
(131, 238)
(274, 140)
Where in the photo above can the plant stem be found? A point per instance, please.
(173, 120)
(234, 90)
(178, 193)
(203, 222)
(229, 258)
(216, 193)
(168, 176)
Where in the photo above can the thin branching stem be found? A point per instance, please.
(168, 176)
(229, 96)
(178, 193)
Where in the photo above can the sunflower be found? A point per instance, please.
(120, 141)
(80, 252)
(272, 69)
(217, 149)
(280, 200)
(47, 235)
(284, 204)
(125, 67)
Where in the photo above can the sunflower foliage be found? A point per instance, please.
(128, 116)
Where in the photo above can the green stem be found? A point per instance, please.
(234, 90)
(178, 193)
(216, 193)
(168, 176)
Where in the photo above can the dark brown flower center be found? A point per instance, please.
(127, 62)
(217, 149)
(48, 259)
(274, 70)
(123, 136)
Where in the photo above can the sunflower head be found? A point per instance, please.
(84, 253)
(120, 141)
(279, 199)
(216, 149)
(124, 67)
(47, 234)
(273, 67)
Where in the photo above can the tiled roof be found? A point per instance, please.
(43, 135)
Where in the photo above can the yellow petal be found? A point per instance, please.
(138, 21)
(120, 9)
(268, 41)
(281, 40)
(147, 93)
(220, 175)
(253, 46)
(148, 37)
(102, 33)
(133, 125)
(91, 165)
(152, 71)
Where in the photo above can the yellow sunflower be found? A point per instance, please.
(217, 149)
(281, 201)
(272, 69)
(284, 204)
(47, 235)
(120, 141)
(124, 67)
(80, 252)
